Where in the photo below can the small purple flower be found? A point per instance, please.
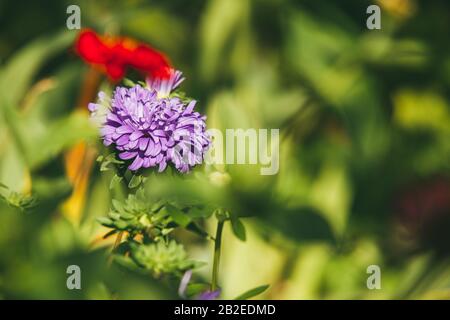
(205, 295)
(209, 295)
(154, 131)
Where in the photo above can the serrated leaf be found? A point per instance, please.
(252, 292)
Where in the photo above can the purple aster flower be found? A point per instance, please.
(165, 86)
(151, 131)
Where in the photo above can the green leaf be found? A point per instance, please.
(18, 200)
(196, 212)
(165, 232)
(109, 159)
(194, 289)
(161, 257)
(252, 293)
(115, 181)
(178, 216)
(120, 224)
(117, 205)
(19, 71)
(238, 228)
(59, 136)
(114, 215)
(127, 216)
(135, 181)
(301, 224)
(129, 83)
(107, 222)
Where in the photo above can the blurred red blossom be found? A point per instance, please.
(426, 201)
(424, 209)
(113, 55)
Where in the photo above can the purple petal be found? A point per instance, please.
(107, 130)
(150, 147)
(124, 129)
(190, 107)
(127, 155)
(162, 166)
(184, 283)
(143, 142)
(136, 135)
(209, 295)
(137, 163)
(155, 150)
(113, 117)
(133, 144)
(159, 133)
(123, 140)
(92, 107)
(146, 163)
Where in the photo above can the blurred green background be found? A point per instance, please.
(364, 119)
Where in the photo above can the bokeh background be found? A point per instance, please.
(364, 117)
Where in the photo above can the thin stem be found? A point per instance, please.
(217, 248)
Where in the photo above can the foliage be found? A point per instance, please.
(363, 118)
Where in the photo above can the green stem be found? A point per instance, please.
(217, 247)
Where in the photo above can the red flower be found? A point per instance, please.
(424, 213)
(115, 55)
